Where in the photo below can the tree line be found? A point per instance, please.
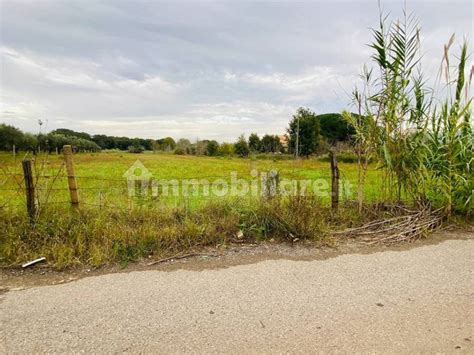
(306, 133)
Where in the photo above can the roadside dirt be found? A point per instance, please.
(232, 255)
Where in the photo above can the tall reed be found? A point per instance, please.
(421, 137)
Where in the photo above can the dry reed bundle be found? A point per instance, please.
(405, 228)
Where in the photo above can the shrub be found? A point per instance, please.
(226, 149)
(136, 149)
(212, 148)
(180, 151)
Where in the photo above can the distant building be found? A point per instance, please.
(283, 140)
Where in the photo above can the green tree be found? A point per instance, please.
(304, 130)
(103, 141)
(184, 146)
(226, 149)
(29, 142)
(335, 128)
(212, 148)
(201, 147)
(254, 143)
(10, 136)
(241, 147)
(270, 144)
(71, 133)
(56, 141)
(168, 144)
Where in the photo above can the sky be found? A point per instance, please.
(195, 69)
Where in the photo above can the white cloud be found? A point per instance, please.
(313, 82)
(188, 69)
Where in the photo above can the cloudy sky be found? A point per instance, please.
(195, 69)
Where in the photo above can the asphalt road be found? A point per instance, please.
(395, 301)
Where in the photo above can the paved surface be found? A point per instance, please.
(415, 300)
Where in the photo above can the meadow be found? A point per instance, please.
(108, 229)
(101, 181)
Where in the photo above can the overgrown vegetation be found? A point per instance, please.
(421, 137)
(95, 237)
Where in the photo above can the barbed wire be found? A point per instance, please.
(110, 192)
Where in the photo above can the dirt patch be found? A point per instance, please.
(232, 255)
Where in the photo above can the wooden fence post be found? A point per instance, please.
(29, 189)
(270, 184)
(334, 181)
(71, 176)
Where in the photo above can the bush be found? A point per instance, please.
(136, 149)
(226, 149)
(180, 151)
(212, 148)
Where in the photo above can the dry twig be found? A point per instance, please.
(405, 228)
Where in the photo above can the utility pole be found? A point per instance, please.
(297, 137)
(40, 123)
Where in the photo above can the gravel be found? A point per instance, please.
(419, 300)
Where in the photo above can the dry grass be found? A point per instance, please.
(95, 237)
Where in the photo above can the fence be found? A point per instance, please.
(39, 186)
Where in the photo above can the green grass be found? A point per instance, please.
(100, 175)
(107, 230)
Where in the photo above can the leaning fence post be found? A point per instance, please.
(334, 181)
(71, 176)
(29, 189)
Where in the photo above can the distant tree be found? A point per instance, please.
(201, 147)
(137, 146)
(241, 147)
(270, 144)
(103, 141)
(226, 149)
(10, 136)
(136, 149)
(335, 128)
(309, 132)
(147, 143)
(83, 145)
(167, 144)
(212, 148)
(55, 141)
(254, 143)
(122, 143)
(29, 142)
(71, 133)
(184, 145)
(179, 151)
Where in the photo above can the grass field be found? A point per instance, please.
(101, 182)
(108, 229)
